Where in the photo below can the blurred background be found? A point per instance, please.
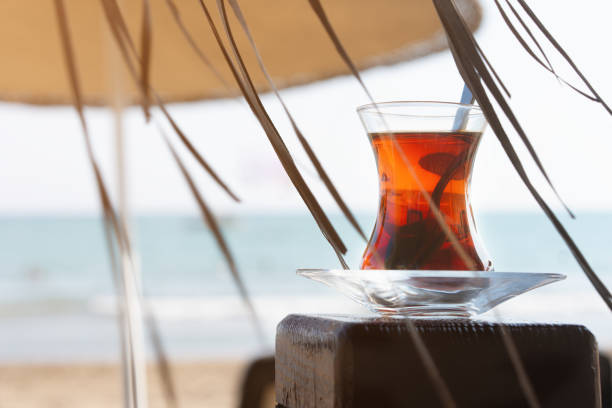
(56, 293)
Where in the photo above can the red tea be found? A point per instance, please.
(406, 234)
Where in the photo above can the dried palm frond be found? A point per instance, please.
(309, 151)
(595, 97)
(211, 221)
(546, 65)
(131, 58)
(466, 53)
(129, 310)
(145, 60)
(320, 12)
(510, 115)
(165, 371)
(248, 90)
(479, 79)
(179, 21)
(433, 372)
(116, 21)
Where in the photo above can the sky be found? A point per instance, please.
(43, 166)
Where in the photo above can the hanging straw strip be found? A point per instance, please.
(434, 374)
(179, 21)
(309, 151)
(111, 222)
(145, 61)
(547, 66)
(530, 34)
(115, 21)
(524, 381)
(474, 71)
(564, 54)
(504, 105)
(130, 56)
(165, 370)
(248, 90)
(210, 220)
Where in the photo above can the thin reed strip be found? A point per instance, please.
(112, 8)
(329, 231)
(473, 71)
(444, 393)
(121, 321)
(547, 66)
(320, 12)
(194, 152)
(477, 77)
(210, 220)
(114, 23)
(165, 370)
(519, 368)
(530, 34)
(564, 54)
(473, 48)
(124, 41)
(132, 375)
(473, 78)
(248, 90)
(122, 37)
(499, 81)
(145, 61)
(135, 385)
(305, 144)
(78, 105)
(179, 22)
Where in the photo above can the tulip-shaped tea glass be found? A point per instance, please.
(424, 257)
(425, 153)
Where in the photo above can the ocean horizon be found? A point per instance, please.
(57, 301)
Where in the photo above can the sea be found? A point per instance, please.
(57, 301)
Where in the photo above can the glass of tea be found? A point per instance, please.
(425, 154)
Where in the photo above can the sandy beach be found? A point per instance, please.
(199, 384)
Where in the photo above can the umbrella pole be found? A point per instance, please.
(135, 381)
(128, 284)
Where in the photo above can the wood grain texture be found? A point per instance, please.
(340, 361)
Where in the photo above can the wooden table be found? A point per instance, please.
(348, 361)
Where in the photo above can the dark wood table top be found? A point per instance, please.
(352, 361)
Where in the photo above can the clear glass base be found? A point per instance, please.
(410, 293)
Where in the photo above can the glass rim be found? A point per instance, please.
(475, 110)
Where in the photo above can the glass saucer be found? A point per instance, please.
(405, 293)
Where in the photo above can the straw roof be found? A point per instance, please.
(289, 35)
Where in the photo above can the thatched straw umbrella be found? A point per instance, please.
(288, 34)
(186, 64)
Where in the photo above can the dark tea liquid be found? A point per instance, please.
(406, 235)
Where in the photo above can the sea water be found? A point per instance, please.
(57, 296)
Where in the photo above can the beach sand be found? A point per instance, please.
(199, 384)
